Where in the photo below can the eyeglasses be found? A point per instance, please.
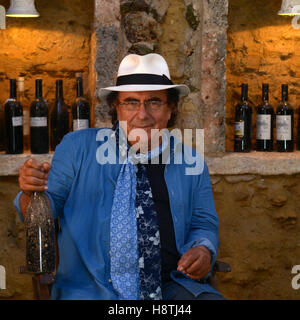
(150, 105)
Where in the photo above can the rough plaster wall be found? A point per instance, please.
(55, 45)
(12, 244)
(261, 47)
(259, 235)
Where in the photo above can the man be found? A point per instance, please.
(130, 229)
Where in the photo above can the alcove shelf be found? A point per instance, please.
(229, 163)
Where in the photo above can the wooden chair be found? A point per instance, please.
(219, 266)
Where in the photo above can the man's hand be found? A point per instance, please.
(195, 262)
(33, 176)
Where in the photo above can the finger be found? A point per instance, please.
(31, 188)
(195, 267)
(185, 261)
(46, 167)
(199, 269)
(33, 181)
(31, 172)
(199, 274)
(32, 163)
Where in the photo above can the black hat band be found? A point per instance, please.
(143, 78)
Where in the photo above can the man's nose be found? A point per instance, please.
(142, 113)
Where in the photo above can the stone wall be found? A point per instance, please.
(192, 41)
(262, 47)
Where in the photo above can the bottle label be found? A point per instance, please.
(80, 124)
(26, 126)
(263, 127)
(17, 121)
(239, 129)
(38, 121)
(283, 127)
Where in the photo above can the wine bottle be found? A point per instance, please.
(2, 129)
(59, 117)
(40, 235)
(26, 113)
(80, 109)
(243, 123)
(284, 123)
(14, 122)
(39, 128)
(264, 122)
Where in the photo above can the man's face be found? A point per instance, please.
(144, 117)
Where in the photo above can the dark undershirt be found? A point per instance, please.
(169, 253)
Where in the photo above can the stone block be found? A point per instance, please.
(157, 8)
(141, 27)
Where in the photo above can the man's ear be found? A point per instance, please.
(115, 101)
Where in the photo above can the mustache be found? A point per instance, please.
(141, 125)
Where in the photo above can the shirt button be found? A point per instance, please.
(109, 280)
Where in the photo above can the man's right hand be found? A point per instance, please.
(33, 176)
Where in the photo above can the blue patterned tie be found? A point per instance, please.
(123, 237)
(148, 238)
(134, 236)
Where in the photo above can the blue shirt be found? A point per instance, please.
(81, 191)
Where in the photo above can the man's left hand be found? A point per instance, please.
(195, 262)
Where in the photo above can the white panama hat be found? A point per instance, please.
(144, 73)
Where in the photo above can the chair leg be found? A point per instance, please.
(41, 291)
(213, 282)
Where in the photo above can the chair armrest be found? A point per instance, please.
(221, 266)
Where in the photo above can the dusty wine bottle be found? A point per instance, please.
(13, 122)
(80, 109)
(284, 123)
(40, 235)
(39, 132)
(243, 123)
(59, 118)
(264, 122)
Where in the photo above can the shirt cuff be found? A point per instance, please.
(17, 205)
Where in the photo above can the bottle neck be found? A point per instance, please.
(79, 88)
(284, 93)
(13, 89)
(59, 90)
(265, 93)
(244, 95)
(38, 89)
